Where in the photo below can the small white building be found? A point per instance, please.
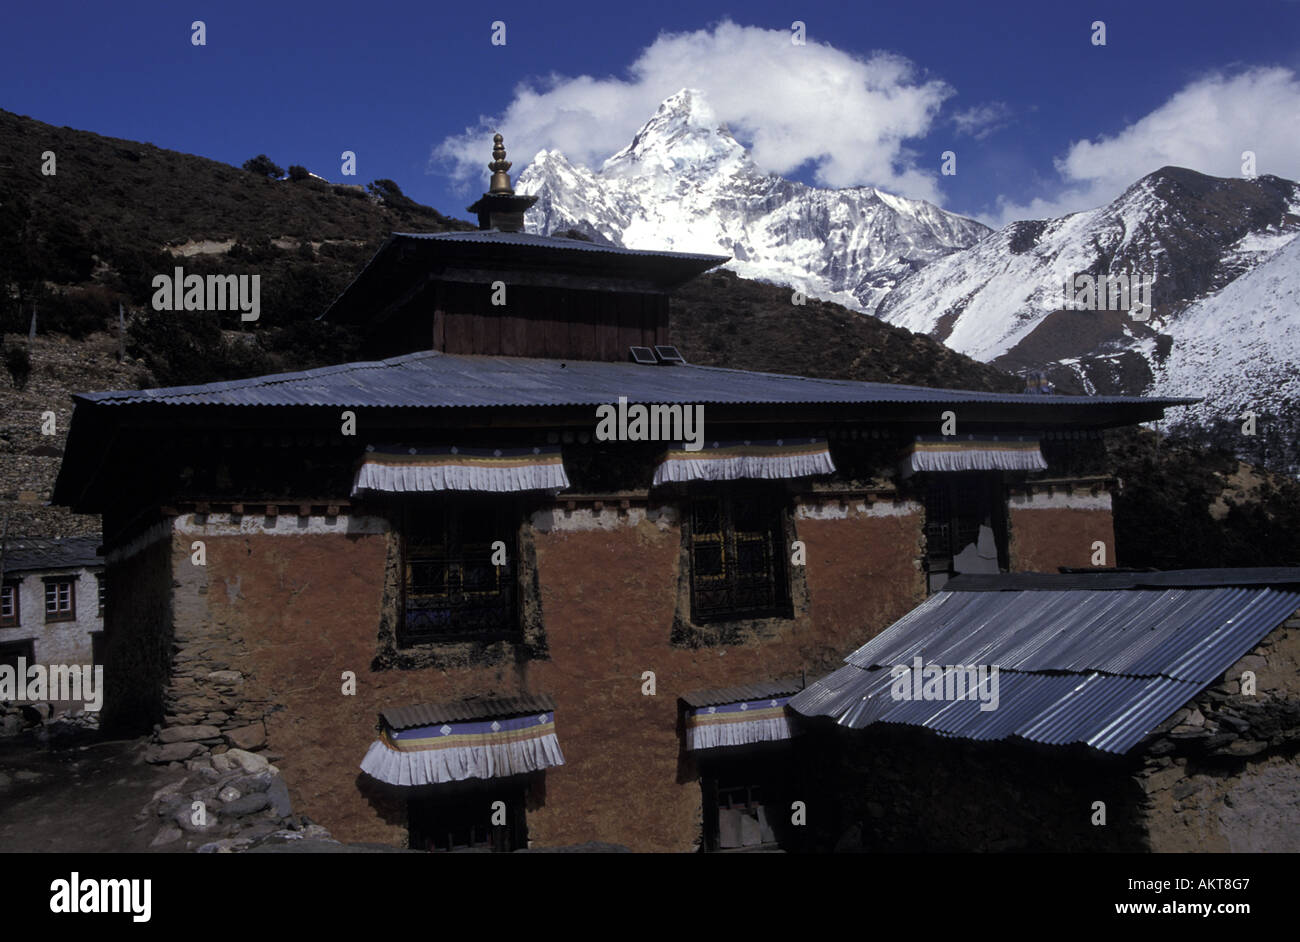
(52, 603)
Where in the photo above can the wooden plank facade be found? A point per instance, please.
(535, 321)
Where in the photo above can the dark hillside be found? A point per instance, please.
(722, 320)
(115, 213)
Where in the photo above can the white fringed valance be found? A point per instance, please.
(973, 453)
(405, 469)
(738, 724)
(452, 752)
(730, 461)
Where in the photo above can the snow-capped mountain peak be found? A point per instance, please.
(684, 134)
(685, 183)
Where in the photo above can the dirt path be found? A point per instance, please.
(80, 799)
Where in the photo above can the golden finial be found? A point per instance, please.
(499, 166)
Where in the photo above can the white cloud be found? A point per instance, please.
(1205, 126)
(980, 121)
(850, 116)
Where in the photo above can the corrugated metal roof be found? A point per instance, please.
(1092, 579)
(33, 555)
(479, 708)
(430, 379)
(557, 243)
(760, 691)
(1102, 666)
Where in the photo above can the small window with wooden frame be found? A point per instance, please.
(459, 571)
(60, 598)
(10, 612)
(738, 555)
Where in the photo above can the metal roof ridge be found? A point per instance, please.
(266, 379)
(1199, 578)
(551, 241)
(1012, 396)
(554, 364)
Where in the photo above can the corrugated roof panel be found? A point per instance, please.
(760, 691)
(1148, 709)
(430, 379)
(1101, 666)
(1128, 579)
(481, 708)
(1134, 631)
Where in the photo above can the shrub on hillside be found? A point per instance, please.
(182, 348)
(392, 196)
(74, 313)
(307, 344)
(19, 365)
(64, 255)
(263, 166)
(297, 292)
(254, 251)
(1164, 518)
(136, 269)
(297, 172)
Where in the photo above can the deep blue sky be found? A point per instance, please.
(391, 80)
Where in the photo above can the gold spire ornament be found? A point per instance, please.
(499, 208)
(500, 179)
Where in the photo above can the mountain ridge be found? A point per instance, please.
(685, 183)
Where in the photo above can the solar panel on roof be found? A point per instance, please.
(669, 354)
(642, 355)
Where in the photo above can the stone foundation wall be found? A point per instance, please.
(1223, 773)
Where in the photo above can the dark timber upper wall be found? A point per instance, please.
(534, 321)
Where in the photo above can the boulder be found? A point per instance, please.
(227, 845)
(258, 782)
(188, 733)
(172, 752)
(278, 793)
(1244, 747)
(167, 834)
(248, 804)
(248, 761)
(247, 737)
(184, 819)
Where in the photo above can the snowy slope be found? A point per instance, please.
(685, 183)
(1190, 232)
(1002, 300)
(1240, 350)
